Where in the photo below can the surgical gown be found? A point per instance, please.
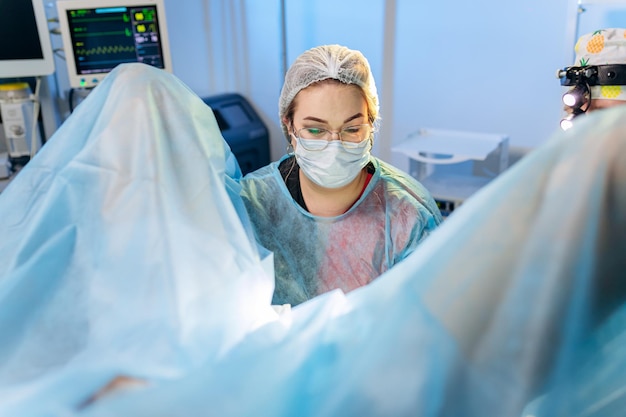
(313, 254)
(124, 252)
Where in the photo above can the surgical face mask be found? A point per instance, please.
(335, 165)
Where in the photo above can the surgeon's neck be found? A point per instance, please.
(331, 202)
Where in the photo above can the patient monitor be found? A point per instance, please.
(25, 49)
(25, 52)
(98, 35)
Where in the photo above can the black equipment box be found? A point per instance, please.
(243, 130)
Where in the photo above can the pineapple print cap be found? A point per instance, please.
(603, 47)
(328, 62)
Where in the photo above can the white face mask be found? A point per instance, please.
(334, 166)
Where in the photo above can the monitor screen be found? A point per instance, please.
(98, 35)
(235, 115)
(25, 49)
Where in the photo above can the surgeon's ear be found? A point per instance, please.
(288, 124)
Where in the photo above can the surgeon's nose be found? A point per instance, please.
(332, 135)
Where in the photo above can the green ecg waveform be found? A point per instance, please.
(101, 50)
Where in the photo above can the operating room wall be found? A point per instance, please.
(482, 66)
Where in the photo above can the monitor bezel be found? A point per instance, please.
(77, 80)
(18, 68)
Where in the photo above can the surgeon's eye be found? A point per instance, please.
(352, 130)
(355, 133)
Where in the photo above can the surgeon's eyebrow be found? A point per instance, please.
(349, 119)
(356, 116)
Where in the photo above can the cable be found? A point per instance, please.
(60, 53)
(35, 128)
(70, 99)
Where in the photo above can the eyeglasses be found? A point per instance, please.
(349, 136)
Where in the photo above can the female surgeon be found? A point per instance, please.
(334, 216)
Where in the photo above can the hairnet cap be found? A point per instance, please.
(328, 62)
(603, 47)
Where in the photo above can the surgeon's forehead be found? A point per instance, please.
(330, 102)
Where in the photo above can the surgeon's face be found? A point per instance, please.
(601, 103)
(329, 105)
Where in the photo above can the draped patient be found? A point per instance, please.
(128, 257)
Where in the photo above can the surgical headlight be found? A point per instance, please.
(568, 121)
(576, 97)
(580, 79)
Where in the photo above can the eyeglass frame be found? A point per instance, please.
(369, 135)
